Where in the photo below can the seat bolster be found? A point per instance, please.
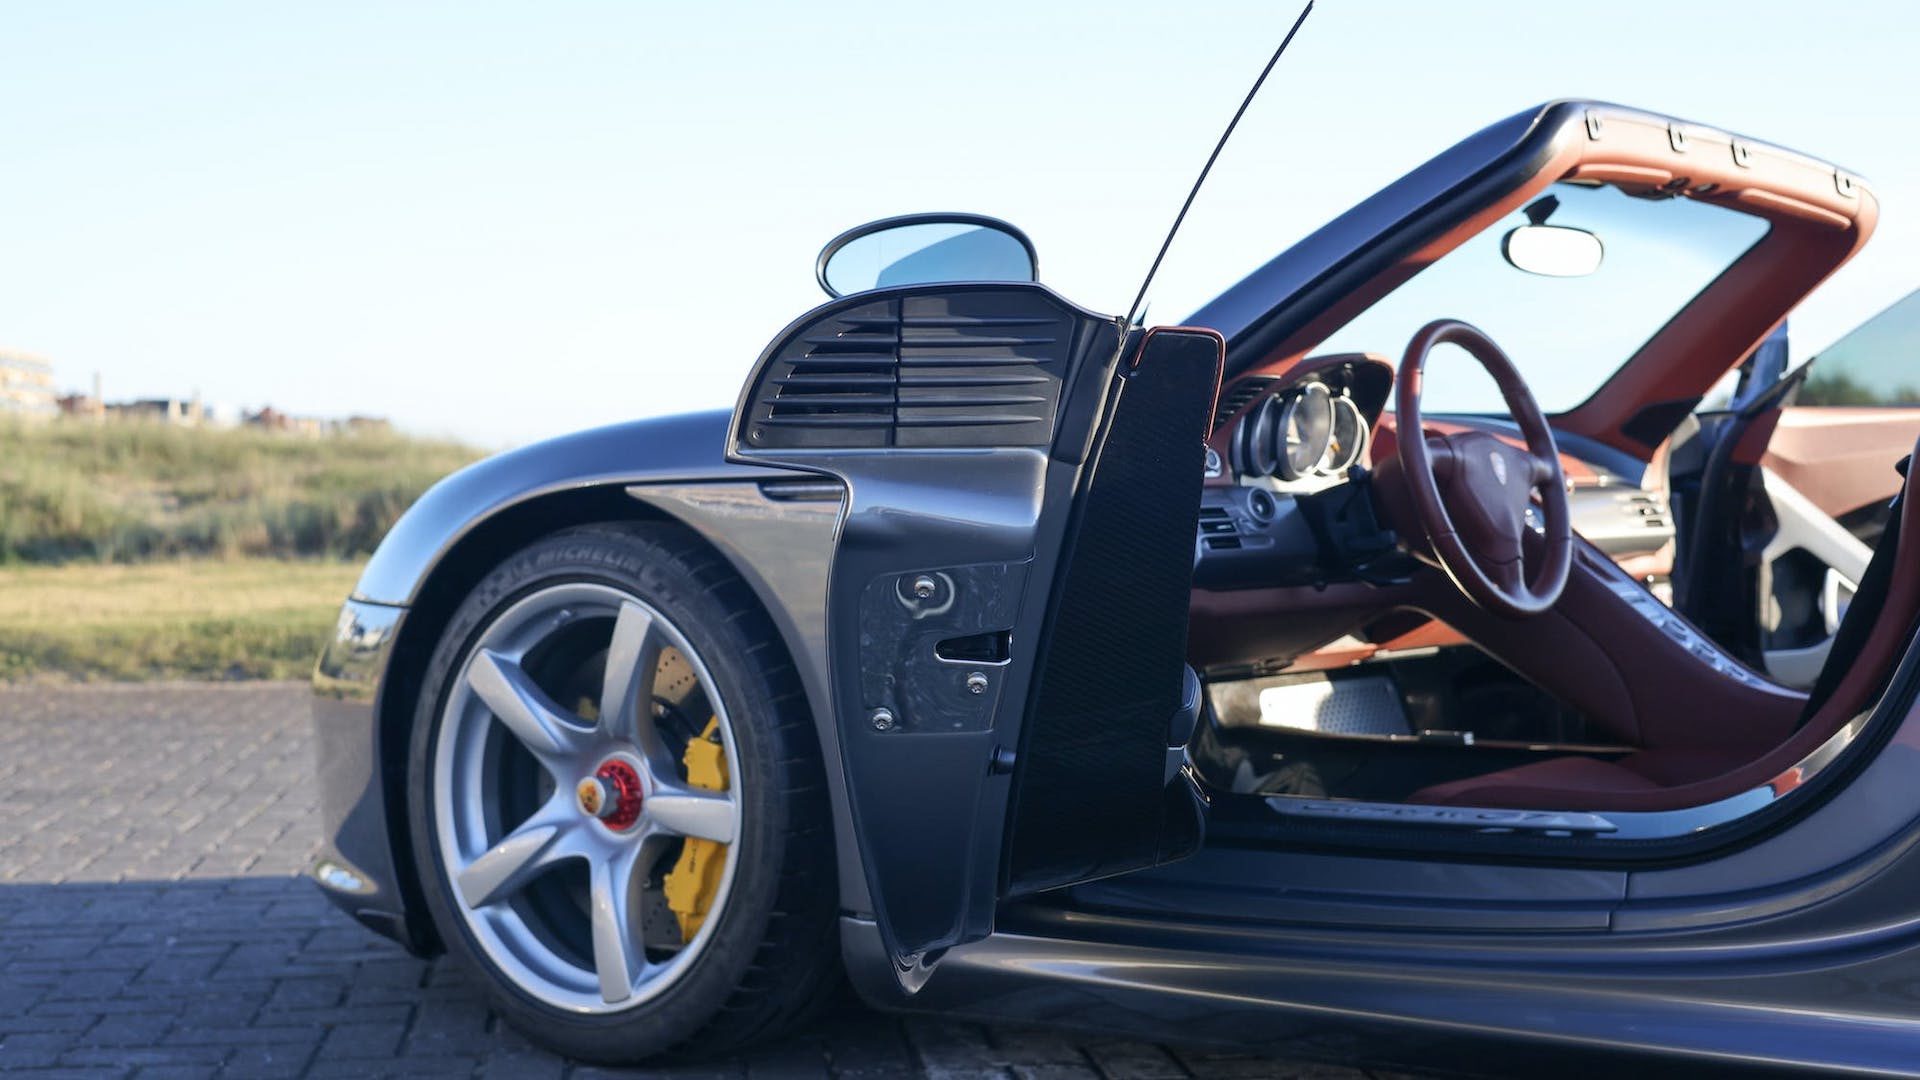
(1556, 782)
(1679, 776)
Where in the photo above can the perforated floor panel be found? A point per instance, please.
(1369, 705)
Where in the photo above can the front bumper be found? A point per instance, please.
(357, 866)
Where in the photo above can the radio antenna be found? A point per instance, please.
(1141, 296)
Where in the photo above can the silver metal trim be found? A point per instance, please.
(1474, 819)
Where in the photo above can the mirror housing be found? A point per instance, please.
(1553, 250)
(923, 249)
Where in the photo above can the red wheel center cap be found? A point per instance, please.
(613, 794)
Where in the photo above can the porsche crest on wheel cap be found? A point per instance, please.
(594, 797)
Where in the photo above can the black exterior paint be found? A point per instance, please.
(685, 447)
(958, 504)
(1799, 945)
(364, 687)
(353, 790)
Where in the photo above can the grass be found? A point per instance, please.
(137, 551)
(130, 492)
(194, 619)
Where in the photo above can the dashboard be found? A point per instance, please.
(1303, 430)
(1309, 434)
(1284, 527)
(1277, 504)
(1282, 450)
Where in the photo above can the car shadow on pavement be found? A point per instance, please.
(158, 928)
(261, 976)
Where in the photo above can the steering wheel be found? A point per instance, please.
(1472, 491)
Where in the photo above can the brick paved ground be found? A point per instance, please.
(151, 924)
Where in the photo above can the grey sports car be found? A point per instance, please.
(1226, 681)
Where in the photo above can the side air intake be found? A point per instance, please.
(973, 368)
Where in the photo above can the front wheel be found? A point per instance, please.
(617, 801)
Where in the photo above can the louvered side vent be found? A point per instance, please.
(974, 374)
(1239, 397)
(944, 369)
(833, 384)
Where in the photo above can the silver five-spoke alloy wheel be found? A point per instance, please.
(562, 800)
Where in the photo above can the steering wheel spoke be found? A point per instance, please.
(1544, 471)
(1440, 457)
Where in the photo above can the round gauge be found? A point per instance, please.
(1306, 428)
(1256, 439)
(1349, 436)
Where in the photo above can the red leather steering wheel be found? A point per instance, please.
(1471, 491)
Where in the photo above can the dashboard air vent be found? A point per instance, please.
(1242, 394)
(1651, 510)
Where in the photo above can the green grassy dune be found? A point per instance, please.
(128, 492)
(132, 551)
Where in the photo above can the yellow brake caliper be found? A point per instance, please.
(695, 878)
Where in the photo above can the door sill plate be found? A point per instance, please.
(1470, 818)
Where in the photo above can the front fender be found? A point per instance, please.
(779, 543)
(686, 448)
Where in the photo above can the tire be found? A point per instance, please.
(555, 946)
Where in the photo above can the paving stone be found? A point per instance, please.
(1038, 1046)
(1056, 1072)
(362, 1041)
(955, 1048)
(267, 1061)
(170, 936)
(176, 1072)
(1135, 1061)
(795, 1059)
(33, 1049)
(132, 1056)
(129, 1029)
(523, 1066)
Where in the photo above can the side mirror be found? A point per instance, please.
(1553, 250)
(920, 249)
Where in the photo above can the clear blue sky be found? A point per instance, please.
(506, 221)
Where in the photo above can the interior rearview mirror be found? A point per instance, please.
(920, 249)
(1553, 250)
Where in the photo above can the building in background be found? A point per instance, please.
(27, 389)
(84, 406)
(221, 415)
(26, 386)
(272, 419)
(158, 411)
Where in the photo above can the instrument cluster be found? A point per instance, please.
(1306, 435)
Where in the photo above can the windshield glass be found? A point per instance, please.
(1566, 334)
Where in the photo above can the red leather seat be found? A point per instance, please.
(1871, 639)
(1566, 783)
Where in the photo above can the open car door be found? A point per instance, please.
(1787, 490)
(1006, 607)
(1829, 477)
(1007, 604)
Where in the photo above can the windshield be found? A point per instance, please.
(1566, 334)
